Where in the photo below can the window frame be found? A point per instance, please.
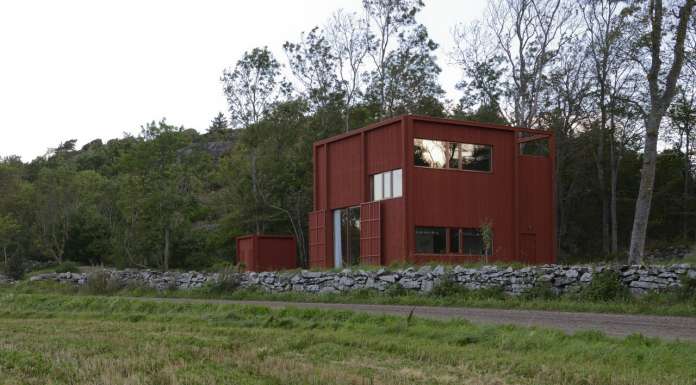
(459, 157)
(448, 251)
(382, 177)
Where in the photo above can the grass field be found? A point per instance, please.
(61, 339)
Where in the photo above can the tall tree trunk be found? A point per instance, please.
(645, 191)
(4, 253)
(167, 240)
(255, 191)
(614, 217)
(687, 176)
(659, 102)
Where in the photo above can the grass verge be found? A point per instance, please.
(598, 299)
(88, 340)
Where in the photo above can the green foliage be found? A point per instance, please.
(67, 267)
(541, 291)
(101, 283)
(687, 290)
(13, 267)
(605, 286)
(229, 280)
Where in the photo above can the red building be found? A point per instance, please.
(417, 189)
(267, 252)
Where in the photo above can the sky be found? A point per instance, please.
(98, 69)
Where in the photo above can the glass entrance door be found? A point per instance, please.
(346, 224)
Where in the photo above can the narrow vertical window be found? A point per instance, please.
(387, 185)
(377, 187)
(396, 183)
(454, 241)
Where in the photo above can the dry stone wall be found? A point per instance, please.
(639, 279)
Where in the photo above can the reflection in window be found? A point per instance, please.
(454, 241)
(431, 240)
(440, 240)
(536, 147)
(476, 157)
(472, 242)
(430, 153)
(451, 155)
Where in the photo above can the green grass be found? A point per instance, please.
(671, 303)
(62, 339)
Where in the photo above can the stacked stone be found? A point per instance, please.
(561, 279)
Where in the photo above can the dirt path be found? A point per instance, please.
(618, 325)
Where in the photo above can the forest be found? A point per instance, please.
(615, 81)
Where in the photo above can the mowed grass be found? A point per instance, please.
(59, 339)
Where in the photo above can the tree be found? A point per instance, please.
(528, 35)
(662, 87)
(219, 124)
(57, 201)
(387, 19)
(611, 75)
(252, 88)
(408, 81)
(682, 117)
(9, 229)
(348, 37)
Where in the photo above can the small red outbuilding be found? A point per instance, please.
(267, 252)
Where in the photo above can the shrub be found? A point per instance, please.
(605, 286)
(687, 290)
(448, 287)
(541, 290)
(228, 281)
(101, 283)
(395, 290)
(14, 268)
(67, 267)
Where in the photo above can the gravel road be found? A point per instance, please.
(617, 325)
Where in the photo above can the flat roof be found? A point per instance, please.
(430, 119)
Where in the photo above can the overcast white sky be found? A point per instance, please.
(96, 69)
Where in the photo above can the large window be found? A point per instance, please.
(386, 185)
(432, 240)
(451, 155)
(441, 240)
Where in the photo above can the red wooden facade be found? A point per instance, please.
(267, 252)
(516, 196)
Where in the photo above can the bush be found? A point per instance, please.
(229, 281)
(605, 286)
(14, 268)
(101, 283)
(541, 290)
(687, 290)
(448, 287)
(67, 267)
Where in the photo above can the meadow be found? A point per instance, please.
(69, 339)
